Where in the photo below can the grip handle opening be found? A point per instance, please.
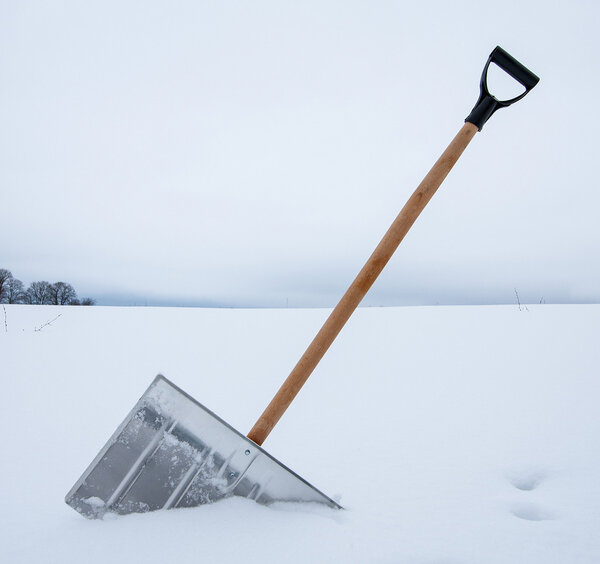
(487, 104)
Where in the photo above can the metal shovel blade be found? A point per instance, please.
(170, 451)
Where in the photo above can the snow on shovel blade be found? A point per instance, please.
(171, 451)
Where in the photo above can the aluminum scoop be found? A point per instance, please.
(170, 451)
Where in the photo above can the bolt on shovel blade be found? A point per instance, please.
(170, 451)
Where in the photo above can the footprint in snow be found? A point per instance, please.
(531, 512)
(526, 481)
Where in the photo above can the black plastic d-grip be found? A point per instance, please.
(487, 104)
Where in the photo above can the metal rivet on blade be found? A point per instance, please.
(232, 474)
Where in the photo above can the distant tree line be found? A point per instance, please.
(12, 291)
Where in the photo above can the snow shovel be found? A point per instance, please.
(171, 451)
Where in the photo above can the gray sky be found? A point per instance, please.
(253, 153)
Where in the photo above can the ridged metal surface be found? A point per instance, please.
(171, 451)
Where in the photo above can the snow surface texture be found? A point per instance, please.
(450, 434)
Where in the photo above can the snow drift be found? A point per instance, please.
(449, 434)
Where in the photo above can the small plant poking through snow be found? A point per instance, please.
(521, 308)
(47, 323)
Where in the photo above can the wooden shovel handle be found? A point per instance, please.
(357, 290)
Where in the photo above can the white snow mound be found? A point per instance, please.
(449, 434)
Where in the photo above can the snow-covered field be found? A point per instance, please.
(449, 434)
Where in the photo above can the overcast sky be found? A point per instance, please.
(254, 153)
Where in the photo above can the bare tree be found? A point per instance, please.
(15, 292)
(42, 292)
(5, 276)
(62, 293)
(39, 293)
